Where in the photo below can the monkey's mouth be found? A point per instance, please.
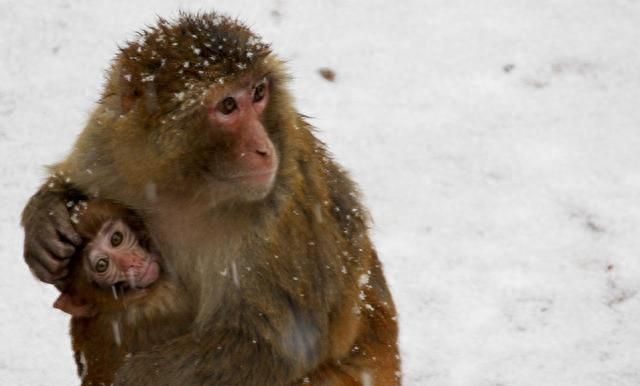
(258, 177)
(142, 279)
(137, 280)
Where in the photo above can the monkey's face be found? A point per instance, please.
(115, 257)
(243, 159)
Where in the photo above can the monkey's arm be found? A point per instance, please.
(49, 236)
(229, 360)
(248, 346)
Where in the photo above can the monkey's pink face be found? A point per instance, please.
(236, 118)
(115, 256)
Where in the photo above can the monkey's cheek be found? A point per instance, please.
(149, 276)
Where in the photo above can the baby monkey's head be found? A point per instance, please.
(116, 256)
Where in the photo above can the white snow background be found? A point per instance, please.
(497, 144)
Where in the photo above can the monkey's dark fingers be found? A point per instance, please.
(62, 222)
(51, 262)
(37, 254)
(60, 249)
(42, 274)
(47, 237)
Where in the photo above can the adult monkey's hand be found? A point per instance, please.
(50, 239)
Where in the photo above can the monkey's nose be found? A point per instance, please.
(263, 151)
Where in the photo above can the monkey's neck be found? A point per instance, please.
(197, 241)
(181, 220)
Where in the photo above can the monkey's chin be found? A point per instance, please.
(253, 194)
(247, 187)
(255, 187)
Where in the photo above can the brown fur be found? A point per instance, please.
(288, 289)
(124, 322)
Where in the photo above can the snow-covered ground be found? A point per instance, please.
(497, 143)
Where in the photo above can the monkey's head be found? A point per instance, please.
(113, 264)
(198, 106)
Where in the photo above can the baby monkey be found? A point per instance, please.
(116, 296)
(114, 263)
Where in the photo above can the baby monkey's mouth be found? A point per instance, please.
(124, 286)
(128, 288)
(123, 292)
(119, 289)
(136, 282)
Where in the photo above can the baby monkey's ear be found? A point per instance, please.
(74, 306)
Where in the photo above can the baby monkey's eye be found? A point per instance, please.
(227, 105)
(101, 265)
(116, 238)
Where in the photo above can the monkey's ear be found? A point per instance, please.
(74, 307)
(129, 93)
(127, 85)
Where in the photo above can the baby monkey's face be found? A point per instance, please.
(115, 257)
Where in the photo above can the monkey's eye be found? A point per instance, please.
(116, 238)
(101, 265)
(258, 92)
(227, 105)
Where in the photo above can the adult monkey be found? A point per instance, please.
(197, 133)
